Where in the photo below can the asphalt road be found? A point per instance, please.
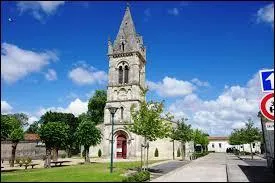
(165, 168)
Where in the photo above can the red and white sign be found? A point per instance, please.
(267, 106)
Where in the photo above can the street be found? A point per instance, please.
(220, 167)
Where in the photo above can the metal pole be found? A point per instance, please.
(141, 157)
(265, 150)
(112, 144)
(173, 150)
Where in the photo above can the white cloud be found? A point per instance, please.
(228, 111)
(16, 63)
(266, 14)
(39, 8)
(32, 119)
(5, 107)
(200, 83)
(90, 94)
(76, 107)
(171, 87)
(84, 75)
(174, 11)
(51, 75)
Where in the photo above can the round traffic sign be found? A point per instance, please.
(267, 106)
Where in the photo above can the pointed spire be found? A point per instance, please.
(126, 33)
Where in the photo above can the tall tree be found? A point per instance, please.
(148, 123)
(71, 121)
(87, 135)
(12, 129)
(54, 135)
(183, 133)
(96, 106)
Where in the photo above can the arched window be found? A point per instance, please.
(120, 75)
(121, 113)
(126, 72)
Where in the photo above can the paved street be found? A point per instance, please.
(211, 168)
(164, 168)
(220, 167)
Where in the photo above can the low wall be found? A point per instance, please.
(24, 149)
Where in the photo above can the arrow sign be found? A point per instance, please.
(271, 80)
(267, 80)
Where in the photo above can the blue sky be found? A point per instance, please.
(197, 52)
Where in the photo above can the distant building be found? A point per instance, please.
(220, 144)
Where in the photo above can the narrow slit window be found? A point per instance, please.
(126, 72)
(121, 113)
(120, 75)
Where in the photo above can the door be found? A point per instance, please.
(121, 148)
(124, 149)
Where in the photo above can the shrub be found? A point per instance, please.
(26, 160)
(63, 155)
(156, 152)
(138, 177)
(17, 160)
(178, 152)
(99, 153)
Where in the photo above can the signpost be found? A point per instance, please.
(267, 113)
(267, 80)
(267, 106)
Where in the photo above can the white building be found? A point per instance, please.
(220, 144)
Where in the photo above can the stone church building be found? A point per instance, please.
(126, 81)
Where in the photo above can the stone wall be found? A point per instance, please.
(24, 149)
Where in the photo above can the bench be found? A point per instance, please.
(59, 162)
(32, 165)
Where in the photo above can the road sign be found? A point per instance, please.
(267, 80)
(269, 126)
(267, 106)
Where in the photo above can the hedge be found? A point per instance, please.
(138, 177)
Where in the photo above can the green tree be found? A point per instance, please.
(54, 135)
(96, 106)
(12, 129)
(148, 123)
(69, 119)
(251, 134)
(183, 133)
(88, 135)
(33, 128)
(200, 138)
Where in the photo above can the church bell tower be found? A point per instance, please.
(126, 77)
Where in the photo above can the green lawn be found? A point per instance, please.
(75, 173)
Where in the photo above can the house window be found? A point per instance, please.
(120, 75)
(126, 71)
(253, 145)
(121, 113)
(220, 145)
(213, 146)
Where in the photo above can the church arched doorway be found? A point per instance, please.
(121, 146)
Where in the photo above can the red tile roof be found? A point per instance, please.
(217, 138)
(31, 137)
